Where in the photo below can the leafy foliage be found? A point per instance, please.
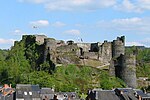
(143, 62)
(144, 55)
(74, 78)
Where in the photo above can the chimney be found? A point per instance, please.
(10, 85)
(139, 97)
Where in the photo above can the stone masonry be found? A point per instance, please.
(122, 65)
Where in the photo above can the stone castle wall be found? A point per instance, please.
(49, 50)
(67, 48)
(91, 55)
(105, 52)
(113, 53)
(129, 70)
(84, 46)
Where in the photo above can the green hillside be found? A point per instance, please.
(22, 65)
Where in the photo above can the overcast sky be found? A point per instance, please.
(91, 20)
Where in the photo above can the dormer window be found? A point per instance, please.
(30, 93)
(25, 93)
(19, 92)
(65, 95)
(73, 96)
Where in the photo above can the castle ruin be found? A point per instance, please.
(121, 64)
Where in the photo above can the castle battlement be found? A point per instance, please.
(122, 65)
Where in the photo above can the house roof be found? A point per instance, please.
(27, 87)
(27, 91)
(47, 91)
(107, 95)
(143, 95)
(128, 93)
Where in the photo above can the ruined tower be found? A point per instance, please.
(118, 46)
(118, 49)
(123, 65)
(50, 48)
(105, 52)
(129, 70)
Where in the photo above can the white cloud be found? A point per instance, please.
(144, 4)
(90, 5)
(125, 21)
(69, 5)
(127, 25)
(127, 6)
(6, 41)
(146, 41)
(17, 31)
(39, 23)
(73, 32)
(134, 6)
(58, 24)
(134, 44)
(107, 3)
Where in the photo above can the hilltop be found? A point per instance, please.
(37, 59)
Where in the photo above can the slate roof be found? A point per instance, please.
(117, 94)
(47, 93)
(128, 93)
(27, 91)
(107, 95)
(143, 95)
(27, 87)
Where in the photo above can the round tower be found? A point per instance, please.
(118, 47)
(50, 48)
(129, 70)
